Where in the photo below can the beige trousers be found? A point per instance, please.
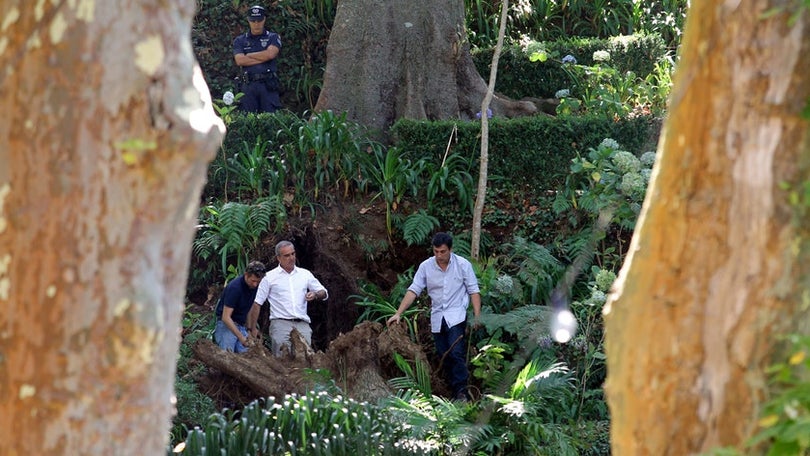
(280, 333)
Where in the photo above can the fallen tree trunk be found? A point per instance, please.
(360, 362)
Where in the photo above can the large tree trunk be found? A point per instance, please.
(106, 133)
(387, 60)
(717, 264)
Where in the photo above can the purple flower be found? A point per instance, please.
(489, 114)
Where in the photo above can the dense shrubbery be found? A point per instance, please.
(516, 277)
(535, 396)
(532, 151)
(519, 75)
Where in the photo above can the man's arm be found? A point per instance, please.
(255, 58)
(226, 318)
(316, 290)
(253, 319)
(406, 302)
(476, 303)
(317, 294)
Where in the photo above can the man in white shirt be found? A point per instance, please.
(288, 289)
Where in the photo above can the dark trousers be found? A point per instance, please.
(258, 98)
(451, 346)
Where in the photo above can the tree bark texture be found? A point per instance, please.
(107, 131)
(388, 60)
(719, 259)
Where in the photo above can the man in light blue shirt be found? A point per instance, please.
(451, 284)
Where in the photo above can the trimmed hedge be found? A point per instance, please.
(519, 77)
(531, 151)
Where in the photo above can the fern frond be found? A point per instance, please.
(268, 214)
(522, 322)
(417, 377)
(418, 226)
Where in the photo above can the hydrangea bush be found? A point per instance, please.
(608, 178)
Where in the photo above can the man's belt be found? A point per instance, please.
(253, 77)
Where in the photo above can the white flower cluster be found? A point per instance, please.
(601, 56)
(648, 159)
(564, 93)
(633, 185)
(625, 162)
(604, 279)
(504, 284)
(609, 143)
(228, 98)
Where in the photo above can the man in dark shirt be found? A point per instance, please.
(233, 307)
(255, 52)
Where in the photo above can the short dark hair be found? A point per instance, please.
(440, 239)
(256, 268)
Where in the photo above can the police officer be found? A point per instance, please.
(255, 52)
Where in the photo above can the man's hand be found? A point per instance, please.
(394, 319)
(313, 295)
(249, 342)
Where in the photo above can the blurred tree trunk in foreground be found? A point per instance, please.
(106, 134)
(719, 263)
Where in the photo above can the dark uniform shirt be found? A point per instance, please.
(239, 296)
(247, 43)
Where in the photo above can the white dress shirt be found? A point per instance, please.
(286, 292)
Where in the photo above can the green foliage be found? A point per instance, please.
(608, 178)
(528, 323)
(333, 144)
(418, 226)
(433, 425)
(536, 267)
(491, 362)
(192, 407)
(586, 352)
(547, 20)
(393, 175)
(253, 172)
(379, 307)
(785, 422)
(312, 161)
(416, 377)
(527, 76)
(312, 424)
(452, 178)
(232, 230)
(526, 419)
(531, 151)
(227, 106)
